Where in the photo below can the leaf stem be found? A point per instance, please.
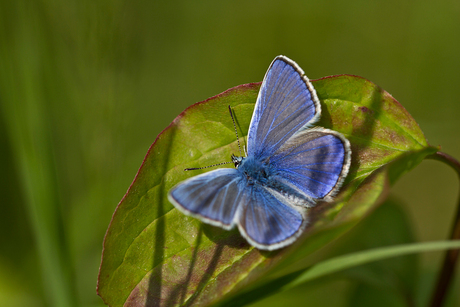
(451, 256)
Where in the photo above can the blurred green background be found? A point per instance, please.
(86, 86)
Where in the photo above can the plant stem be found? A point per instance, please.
(451, 257)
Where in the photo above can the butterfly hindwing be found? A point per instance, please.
(266, 222)
(314, 161)
(286, 103)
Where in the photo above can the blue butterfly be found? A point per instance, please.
(289, 166)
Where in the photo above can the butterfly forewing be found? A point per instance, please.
(286, 103)
(213, 197)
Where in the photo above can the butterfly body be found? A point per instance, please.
(289, 166)
(255, 171)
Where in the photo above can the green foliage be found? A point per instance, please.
(86, 86)
(153, 253)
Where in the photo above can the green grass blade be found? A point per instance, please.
(355, 259)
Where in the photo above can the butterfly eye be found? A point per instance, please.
(236, 160)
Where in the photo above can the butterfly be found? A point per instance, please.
(289, 166)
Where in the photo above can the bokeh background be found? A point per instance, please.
(86, 86)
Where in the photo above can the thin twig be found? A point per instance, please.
(451, 257)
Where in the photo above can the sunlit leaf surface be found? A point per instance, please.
(154, 255)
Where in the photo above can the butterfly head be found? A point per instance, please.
(237, 160)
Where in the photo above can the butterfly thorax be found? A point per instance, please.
(265, 174)
(253, 170)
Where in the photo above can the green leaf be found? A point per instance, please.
(359, 258)
(154, 254)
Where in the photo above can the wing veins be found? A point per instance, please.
(276, 116)
(306, 150)
(306, 177)
(309, 169)
(276, 81)
(281, 139)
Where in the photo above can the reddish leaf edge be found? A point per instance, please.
(252, 85)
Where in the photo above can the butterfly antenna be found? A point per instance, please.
(236, 131)
(239, 147)
(197, 168)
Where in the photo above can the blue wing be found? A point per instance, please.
(314, 162)
(223, 198)
(266, 222)
(286, 103)
(212, 197)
